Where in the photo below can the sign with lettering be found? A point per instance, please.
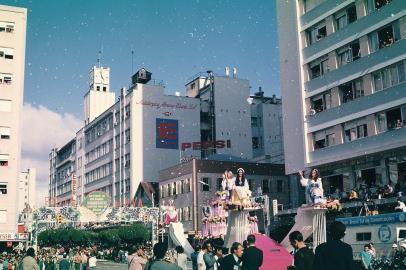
(167, 133)
(371, 220)
(97, 202)
(13, 236)
(206, 145)
(159, 105)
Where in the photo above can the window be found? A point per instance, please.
(364, 236)
(384, 37)
(319, 67)
(6, 27)
(316, 33)
(345, 17)
(4, 133)
(330, 139)
(376, 4)
(389, 76)
(388, 120)
(4, 160)
(320, 144)
(402, 234)
(3, 188)
(279, 186)
(321, 102)
(351, 90)
(98, 88)
(356, 132)
(348, 53)
(3, 163)
(205, 184)
(250, 183)
(192, 86)
(104, 88)
(255, 143)
(265, 186)
(218, 183)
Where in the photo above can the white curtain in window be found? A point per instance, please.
(373, 42)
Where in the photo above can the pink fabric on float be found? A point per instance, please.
(276, 257)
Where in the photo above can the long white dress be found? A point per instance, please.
(314, 190)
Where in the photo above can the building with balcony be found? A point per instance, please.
(13, 23)
(343, 82)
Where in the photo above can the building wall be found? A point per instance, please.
(326, 68)
(11, 100)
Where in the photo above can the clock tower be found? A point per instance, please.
(98, 98)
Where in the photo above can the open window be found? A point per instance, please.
(389, 76)
(384, 37)
(4, 160)
(316, 33)
(354, 132)
(348, 53)
(377, 4)
(351, 90)
(346, 16)
(321, 102)
(3, 188)
(318, 67)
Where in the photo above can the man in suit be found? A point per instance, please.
(233, 261)
(253, 256)
(334, 254)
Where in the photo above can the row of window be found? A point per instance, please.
(185, 213)
(377, 40)
(99, 151)
(6, 53)
(5, 133)
(342, 18)
(98, 130)
(6, 78)
(384, 78)
(7, 27)
(387, 120)
(175, 188)
(99, 173)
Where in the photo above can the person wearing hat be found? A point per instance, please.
(334, 254)
(393, 251)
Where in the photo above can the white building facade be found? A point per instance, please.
(27, 189)
(343, 83)
(13, 23)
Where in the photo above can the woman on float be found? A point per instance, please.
(314, 187)
(241, 195)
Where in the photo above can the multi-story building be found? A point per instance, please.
(225, 113)
(266, 126)
(13, 22)
(27, 189)
(128, 142)
(123, 143)
(194, 184)
(342, 65)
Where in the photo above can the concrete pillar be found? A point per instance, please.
(382, 170)
(332, 60)
(303, 39)
(360, 6)
(402, 27)
(367, 84)
(371, 125)
(301, 7)
(364, 45)
(338, 133)
(294, 190)
(330, 25)
(308, 105)
(335, 97)
(310, 142)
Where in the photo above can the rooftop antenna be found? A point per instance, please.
(99, 57)
(132, 61)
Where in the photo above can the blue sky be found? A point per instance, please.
(174, 39)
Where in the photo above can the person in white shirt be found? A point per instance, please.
(201, 265)
(401, 206)
(92, 262)
(217, 257)
(181, 258)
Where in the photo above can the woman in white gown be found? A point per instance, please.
(314, 187)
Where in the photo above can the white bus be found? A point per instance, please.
(382, 230)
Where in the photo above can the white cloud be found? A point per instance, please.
(42, 130)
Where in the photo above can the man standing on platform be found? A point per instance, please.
(253, 257)
(334, 254)
(233, 261)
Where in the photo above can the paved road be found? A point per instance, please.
(108, 265)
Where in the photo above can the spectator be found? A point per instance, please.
(353, 195)
(158, 262)
(64, 263)
(77, 259)
(29, 262)
(253, 257)
(372, 250)
(92, 261)
(201, 265)
(304, 257)
(393, 251)
(193, 257)
(49, 263)
(334, 254)
(388, 191)
(233, 261)
(181, 258)
(84, 260)
(218, 256)
(366, 257)
(208, 257)
(401, 207)
(137, 260)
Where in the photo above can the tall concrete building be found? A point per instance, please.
(27, 189)
(13, 22)
(342, 65)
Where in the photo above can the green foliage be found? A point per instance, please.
(69, 237)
